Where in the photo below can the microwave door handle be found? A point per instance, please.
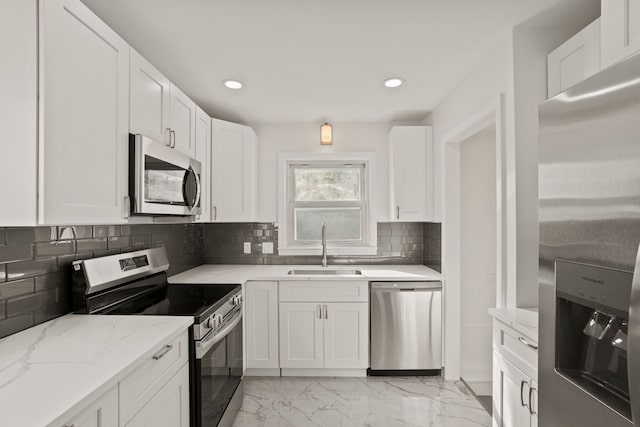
(633, 352)
(198, 190)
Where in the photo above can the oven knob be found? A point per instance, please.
(236, 300)
(217, 320)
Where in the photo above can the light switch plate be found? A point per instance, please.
(247, 247)
(267, 247)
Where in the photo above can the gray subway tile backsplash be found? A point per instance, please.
(35, 263)
(398, 243)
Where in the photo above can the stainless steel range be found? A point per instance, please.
(136, 283)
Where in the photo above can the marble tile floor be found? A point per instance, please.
(370, 402)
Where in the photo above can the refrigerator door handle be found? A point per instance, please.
(633, 361)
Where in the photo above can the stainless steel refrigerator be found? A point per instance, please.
(589, 213)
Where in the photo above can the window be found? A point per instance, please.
(334, 192)
(330, 194)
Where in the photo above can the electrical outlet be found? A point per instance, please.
(247, 247)
(267, 247)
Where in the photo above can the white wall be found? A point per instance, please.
(305, 137)
(18, 112)
(477, 254)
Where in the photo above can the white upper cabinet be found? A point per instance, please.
(183, 122)
(411, 173)
(620, 30)
(18, 111)
(84, 88)
(149, 100)
(233, 172)
(203, 155)
(575, 60)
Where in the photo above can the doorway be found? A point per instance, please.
(478, 260)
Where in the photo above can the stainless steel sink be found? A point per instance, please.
(324, 272)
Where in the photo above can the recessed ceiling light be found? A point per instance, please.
(393, 82)
(232, 84)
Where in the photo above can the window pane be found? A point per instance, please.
(316, 184)
(342, 223)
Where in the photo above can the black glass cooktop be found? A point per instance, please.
(155, 296)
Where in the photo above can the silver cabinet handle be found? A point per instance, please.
(531, 411)
(168, 130)
(326, 312)
(527, 343)
(167, 348)
(127, 207)
(173, 144)
(397, 212)
(319, 310)
(522, 383)
(69, 425)
(215, 213)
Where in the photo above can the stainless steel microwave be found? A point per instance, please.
(162, 181)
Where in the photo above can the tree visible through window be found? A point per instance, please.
(331, 194)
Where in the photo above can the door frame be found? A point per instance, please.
(492, 113)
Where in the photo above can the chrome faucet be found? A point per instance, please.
(324, 245)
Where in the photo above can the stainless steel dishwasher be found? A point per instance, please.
(406, 328)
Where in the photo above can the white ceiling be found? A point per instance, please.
(310, 60)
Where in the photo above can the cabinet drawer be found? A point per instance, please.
(143, 383)
(324, 291)
(518, 348)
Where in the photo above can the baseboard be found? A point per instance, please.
(262, 372)
(290, 372)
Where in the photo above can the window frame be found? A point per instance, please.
(286, 243)
(293, 204)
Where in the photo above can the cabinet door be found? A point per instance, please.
(149, 100)
(575, 60)
(183, 121)
(84, 72)
(620, 30)
(411, 173)
(101, 413)
(203, 155)
(233, 186)
(346, 335)
(301, 335)
(18, 112)
(261, 316)
(510, 395)
(168, 408)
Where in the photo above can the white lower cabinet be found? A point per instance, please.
(317, 335)
(301, 335)
(103, 412)
(168, 408)
(515, 387)
(346, 335)
(261, 320)
(513, 392)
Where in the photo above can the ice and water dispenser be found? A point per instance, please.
(592, 312)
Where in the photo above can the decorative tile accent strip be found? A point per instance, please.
(35, 263)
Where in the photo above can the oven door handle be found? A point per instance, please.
(633, 362)
(204, 345)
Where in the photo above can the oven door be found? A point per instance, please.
(218, 372)
(162, 181)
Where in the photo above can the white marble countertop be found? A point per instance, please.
(48, 371)
(221, 273)
(523, 320)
